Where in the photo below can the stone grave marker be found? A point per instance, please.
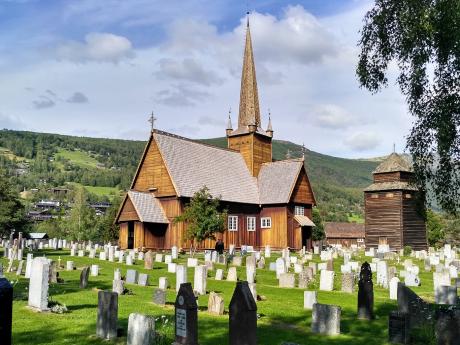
(365, 293)
(52, 277)
(168, 259)
(237, 261)
(326, 319)
(314, 267)
(309, 299)
(181, 276)
(411, 279)
(39, 284)
(159, 258)
(261, 263)
(159, 296)
(117, 273)
(20, 266)
(172, 267)
(107, 315)
(148, 260)
(141, 329)
(215, 304)
(131, 277)
(305, 277)
(242, 316)
(287, 280)
(174, 253)
(186, 328)
(398, 328)
(348, 282)
(394, 288)
(6, 314)
(84, 276)
(192, 262)
(118, 286)
(446, 295)
(94, 270)
(219, 274)
(69, 265)
(143, 279)
(280, 267)
(326, 282)
(200, 279)
(163, 283)
(232, 274)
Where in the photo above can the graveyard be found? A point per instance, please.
(281, 317)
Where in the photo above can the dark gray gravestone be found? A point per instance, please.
(52, 272)
(6, 314)
(159, 296)
(416, 308)
(243, 316)
(107, 315)
(398, 328)
(186, 316)
(84, 276)
(448, 326)
(365, 293)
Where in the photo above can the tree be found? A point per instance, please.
(318, 231)
(81, 223)
(435, 228)
(108, 230)
(12, 213)
(203, 217)
(423, 38)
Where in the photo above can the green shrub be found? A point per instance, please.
(407, 250)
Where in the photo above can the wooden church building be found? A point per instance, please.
(268, 203)
(394, 213)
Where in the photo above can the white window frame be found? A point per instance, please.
(266, 222)
(251, 223)
(297, 208)
(232, 223)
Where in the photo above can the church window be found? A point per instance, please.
(232, 223)
(299, 210)
(266, 222)
(251, 226)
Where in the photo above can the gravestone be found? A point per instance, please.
(398, 328)
(39, 284)
(20, 266)
(242, 316)
(141, 329)
(131, 277)
(287, 280)
(94, 270)
(326, 282)
(118, 286)
(447, 326)
(52, 276)
(330, 265)
(394, 288)
(6, 314)
(215, 304)
(411, 279)
(261, 263)
(348, 282)
(219, 274)
(280, 267)
(163, 283)
(415, 307)
(309, 299)
(69, 265)
(365, 293)
(192, 262)
(159, 296)
(174, 253)
(250, 273)
(172, 267)
(181, 276)
(129, 260)
(237, 261)
(148, 260)
(313, 266)
(168, 259)
(305, 277)
(84, 276)
(159, 258)
(117, 274)
(186, 329)
(107, 315)
(326, 319)
(143, 279)
(200, 279)
(446, 295)
(232, 274)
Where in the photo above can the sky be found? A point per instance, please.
(99, 67)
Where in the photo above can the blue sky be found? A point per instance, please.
(99, 67)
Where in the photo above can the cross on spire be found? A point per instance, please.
(152, 120)
(303, 151)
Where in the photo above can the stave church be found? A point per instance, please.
(269, 202)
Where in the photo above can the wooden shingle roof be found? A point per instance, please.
(147, 207)
(344, 230)
(394, 163)
(387, 186)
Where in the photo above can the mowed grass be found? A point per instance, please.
(102, 191)
(79, 158)
(282, 317)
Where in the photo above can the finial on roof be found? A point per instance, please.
(303, 151)
(229, 123)
(269, 127)
(152, 120)
(394, 148)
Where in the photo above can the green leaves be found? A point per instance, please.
(423, 38)
(12, 214)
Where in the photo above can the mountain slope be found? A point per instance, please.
(58, 159)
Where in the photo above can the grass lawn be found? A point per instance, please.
(103, 191)
(355, 219)
(79, 158)
(282, 317)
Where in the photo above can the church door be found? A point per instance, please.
(130, 235)
(306, 237)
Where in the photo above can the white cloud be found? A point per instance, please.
(362, 141)
(43, 102)
(332, 116)
(99, 47)
(189, 70)
(181, 95)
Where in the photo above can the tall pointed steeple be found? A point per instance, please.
(249, 97)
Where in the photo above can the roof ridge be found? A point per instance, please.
(196, 141)
(290, 160)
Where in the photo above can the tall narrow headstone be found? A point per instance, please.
(186, 329)
(215, 304)
(84, 276)
(181, 276)
(6, 314)
(148, 260)
(200, 278)
(141, 329)
(38, 286)
(243, 316)
(107, 315)
(365, 293)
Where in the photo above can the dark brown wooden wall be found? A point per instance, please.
(414, 229)
(254, 148)
(383, 218)
(128, 212)
(303, 192)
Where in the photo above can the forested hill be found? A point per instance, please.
(38, 159)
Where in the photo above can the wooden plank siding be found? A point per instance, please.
(123, 237)
(387, 177)
(128, 212)
(255, 149)
(383, 218)
(414, 230)
(276, 236)
(303, 192)
(153, 173)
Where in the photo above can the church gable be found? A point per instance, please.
(152, 174)
(127, 211)
(303, 192)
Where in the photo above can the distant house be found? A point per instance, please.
(344, 234)
(38, 235)
(39, 216)
(48, 204)
(59, 191)
(100, 207)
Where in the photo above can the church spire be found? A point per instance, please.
(249, 98)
